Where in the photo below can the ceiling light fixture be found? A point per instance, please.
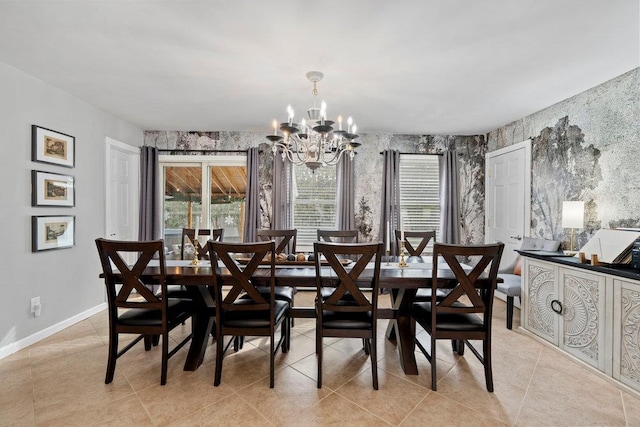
(314, 143)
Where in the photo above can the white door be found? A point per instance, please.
(122, 190)
(508, 197)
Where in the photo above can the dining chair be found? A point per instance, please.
(338, 236)
(190, 233)
(242, 310)
(415, 242)
(285, 239)
(133, 307)
(347, 311)
(465, 313)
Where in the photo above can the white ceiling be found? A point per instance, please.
(422, 66)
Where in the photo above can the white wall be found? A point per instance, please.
(66, 280)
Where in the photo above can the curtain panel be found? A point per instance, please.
(390, 208)
(449, 198)
(252, 208)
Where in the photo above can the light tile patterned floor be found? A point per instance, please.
(60, 381)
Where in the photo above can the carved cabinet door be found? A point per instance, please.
(626, 332)
(540, 291)
(583, 315)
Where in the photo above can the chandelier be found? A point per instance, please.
(314, 143)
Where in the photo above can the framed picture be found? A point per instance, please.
(52, 189)
(52, 232)
(49, 146)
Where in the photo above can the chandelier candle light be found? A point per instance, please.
(314, 143)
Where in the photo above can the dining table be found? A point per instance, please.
(401, 282)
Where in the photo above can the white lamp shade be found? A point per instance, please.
(572, 214)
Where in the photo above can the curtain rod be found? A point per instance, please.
(202, 151)
(419, 154)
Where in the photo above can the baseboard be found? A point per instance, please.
(40, 335)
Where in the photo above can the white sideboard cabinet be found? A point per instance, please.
(592, 313)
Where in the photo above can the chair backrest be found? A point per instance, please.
(415, 242)
(344, 281)
(241, 282)
(285, 239)
(338, 236)
(135, 292)
(475, 287)
(215, 234)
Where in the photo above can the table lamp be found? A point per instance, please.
(572, 217)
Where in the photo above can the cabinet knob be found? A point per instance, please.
(556, 306)
(518, 237)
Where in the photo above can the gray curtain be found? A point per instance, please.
(449, 198)
(252, 205)
(281, 193)
(150, 201)
(345, 195)
(390, 209)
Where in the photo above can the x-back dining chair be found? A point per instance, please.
(190, 233)
(347, 311)
(134, 308)
(465, 312)
(338, 236)
(243, 311)
(285, 239)
(420, 239)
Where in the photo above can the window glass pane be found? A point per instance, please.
(182, 203)
(228, 194)
(419, 193)
(314, 203)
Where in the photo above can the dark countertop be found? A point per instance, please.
(620, 270)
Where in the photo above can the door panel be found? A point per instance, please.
(508, 201)
(122, 182)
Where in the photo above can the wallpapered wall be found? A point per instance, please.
(368, 170)
(584, 148)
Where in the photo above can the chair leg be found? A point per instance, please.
(165, 357)
(509, 312)
(148, 341)
(488, 372)
(319, 352)
(460, 347)
(373, 351)
(366, 345)
(272, 363)
(219, 354)
(434, 381)
(113, 355)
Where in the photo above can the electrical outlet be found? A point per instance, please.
(35, 306)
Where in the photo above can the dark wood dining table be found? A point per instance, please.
(401, 282)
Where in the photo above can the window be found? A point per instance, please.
(314, 203)
(210, 187)
(419, 192)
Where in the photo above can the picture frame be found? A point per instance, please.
(49, 146)
(52, 189)
(52, 232)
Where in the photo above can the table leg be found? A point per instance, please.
(393, 325)
(203, 321)
(405, 331)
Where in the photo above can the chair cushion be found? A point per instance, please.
(347, 320)
(447, 321)
(282, 293)
(424, 294)
(510, 285)
(252, 318)
(177, 310)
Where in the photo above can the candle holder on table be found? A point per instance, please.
(197, 247)
(387, 256)
(402, 262)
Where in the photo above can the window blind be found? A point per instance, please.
(419, 192)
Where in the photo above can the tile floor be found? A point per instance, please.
(60, 381)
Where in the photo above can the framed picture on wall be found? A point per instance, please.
(52, 189)
(52, 232)
(49, 146)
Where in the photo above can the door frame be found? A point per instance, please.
(526, 145)
(113, 144)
